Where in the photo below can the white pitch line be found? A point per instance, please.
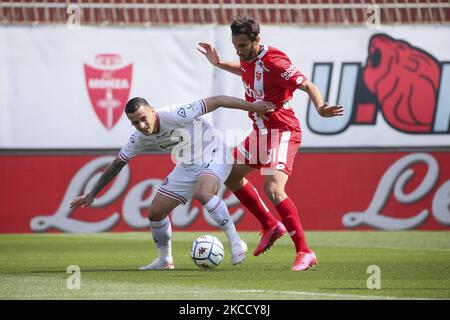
(336, 295)
(296, 293)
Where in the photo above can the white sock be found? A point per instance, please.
(162, 233)
(219, 212)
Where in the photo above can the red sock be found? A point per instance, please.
(249, 197)
(291, 220)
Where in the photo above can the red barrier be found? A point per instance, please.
(333, 191)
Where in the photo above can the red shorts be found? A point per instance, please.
(274, 151)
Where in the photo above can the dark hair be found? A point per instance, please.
(133, 104)
(245, 25)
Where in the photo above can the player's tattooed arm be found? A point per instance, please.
(316, 97)
(110, 173)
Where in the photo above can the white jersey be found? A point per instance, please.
(192, 139)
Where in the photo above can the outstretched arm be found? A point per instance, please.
(213, 57)
(260, 107)
(111, 171)
(316, 97)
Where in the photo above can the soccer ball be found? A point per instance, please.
(207, 252)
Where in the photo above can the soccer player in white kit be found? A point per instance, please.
(205, 164)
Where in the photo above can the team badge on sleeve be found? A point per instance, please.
(299, 80)
(182, 113)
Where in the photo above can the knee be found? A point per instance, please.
(234, 184)
(203, 194)
(270, 189)
(274, 191)
(156, 213)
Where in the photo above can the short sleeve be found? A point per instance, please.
(131, 148)
(286, 74)
(182, 114)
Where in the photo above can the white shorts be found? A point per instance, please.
(180, 183)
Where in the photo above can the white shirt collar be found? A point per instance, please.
(262, 53)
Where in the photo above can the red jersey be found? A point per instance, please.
(272, 77)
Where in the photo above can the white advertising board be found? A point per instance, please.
(65, 88)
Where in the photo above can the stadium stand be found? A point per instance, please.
(181, 12)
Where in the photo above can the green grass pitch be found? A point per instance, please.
(413, 265)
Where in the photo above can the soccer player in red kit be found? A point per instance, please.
(268, 74)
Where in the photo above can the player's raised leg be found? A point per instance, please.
(205, 192)
(161, 229)
(249, 197)
(274, 186)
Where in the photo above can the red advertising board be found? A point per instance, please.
(333, 191)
